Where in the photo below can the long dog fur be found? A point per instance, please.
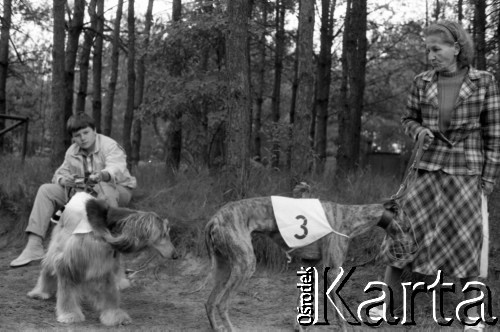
(87, 265)
(228, 237)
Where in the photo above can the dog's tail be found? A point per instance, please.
(210, 245)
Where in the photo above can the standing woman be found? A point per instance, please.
(457, 109)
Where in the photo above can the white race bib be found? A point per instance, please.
(75, 214)
(300, 221)
(83, 227)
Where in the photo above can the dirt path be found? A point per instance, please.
(267, 303)
(155, 304)
(153, 301)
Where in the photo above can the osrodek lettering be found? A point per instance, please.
(308, 299)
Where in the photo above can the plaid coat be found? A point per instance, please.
(471, 144)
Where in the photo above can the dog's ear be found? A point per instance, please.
(97, 211)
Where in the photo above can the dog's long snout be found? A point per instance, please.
(166, 248)
(389, 223)
(386, 219)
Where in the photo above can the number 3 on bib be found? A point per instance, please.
(303, 226)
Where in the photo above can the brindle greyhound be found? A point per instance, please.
(228, 236)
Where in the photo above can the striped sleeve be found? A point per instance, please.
(490, 124)
(412, 117)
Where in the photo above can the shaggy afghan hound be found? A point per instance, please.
(83, 258)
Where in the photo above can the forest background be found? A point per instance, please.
(291, 85)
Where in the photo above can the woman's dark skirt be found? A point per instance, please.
(445, 213)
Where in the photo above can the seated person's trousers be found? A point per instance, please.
(52, 196)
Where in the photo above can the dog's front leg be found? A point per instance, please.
(305, 263)
(296, 326)
(339, 322)
(46, 285)
(107, 301)
(333, 252)
(68, 308)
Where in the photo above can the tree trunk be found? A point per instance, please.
(75, 29)
(261, 85)
(141, 72)
(293, 103)
(57, 115)
(278, 69)
(238, 99)
(352, 86)
(437, 10)
(176, 10)
(89, 36)
(301, 141)
(4, 62)
(115, 57)
(460, 10)
(129, 110)
(174, 138)
(249, 66)
(480, 33)
(323, 75)
(97, 66)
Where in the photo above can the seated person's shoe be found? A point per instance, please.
(27, 256)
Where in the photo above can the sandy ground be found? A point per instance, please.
(266, 303)
(154, 301)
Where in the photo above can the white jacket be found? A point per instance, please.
(108, 156)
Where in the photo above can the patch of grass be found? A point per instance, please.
(362, 186)
(18, 186)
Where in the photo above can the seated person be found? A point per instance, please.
(91, 155)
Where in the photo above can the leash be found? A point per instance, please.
(412, 169)
(405, 245)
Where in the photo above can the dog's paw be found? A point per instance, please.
(37, 294)
(124, 283)
(70, 317)
(115, 317)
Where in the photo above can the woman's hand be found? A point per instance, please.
(429, 137)
(487, 187)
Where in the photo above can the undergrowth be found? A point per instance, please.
(188, 199)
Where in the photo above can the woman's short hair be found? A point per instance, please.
(79, 121)
(453, 32)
